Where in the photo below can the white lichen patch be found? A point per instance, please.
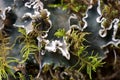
(56, 45)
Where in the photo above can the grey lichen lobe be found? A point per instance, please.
(98, 41)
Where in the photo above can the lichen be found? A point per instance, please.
(68, 34)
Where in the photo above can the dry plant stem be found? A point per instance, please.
(109, 77)
(115, 56)
(38, 59)
(82, 76)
